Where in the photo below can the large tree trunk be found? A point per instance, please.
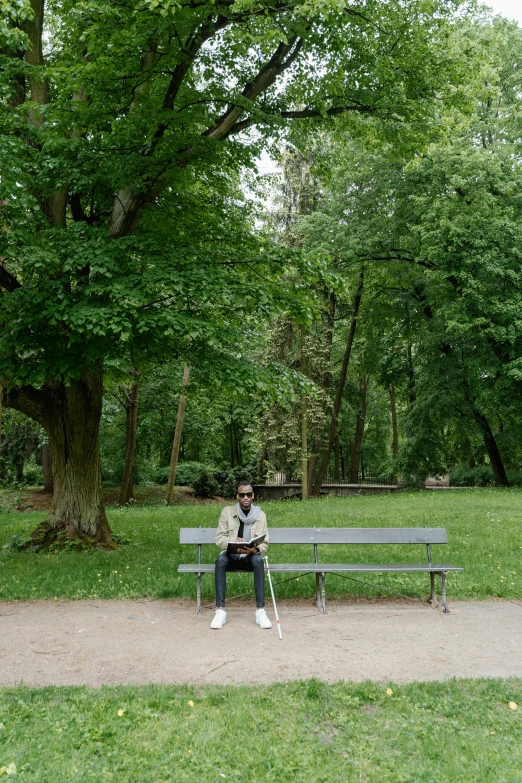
(359, 430)
(340, 389)
(131, 426)
(71, 417)
(47, 466)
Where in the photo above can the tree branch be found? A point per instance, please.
(280, 61)
(303, 114)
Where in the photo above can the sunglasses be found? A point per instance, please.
(245, 494)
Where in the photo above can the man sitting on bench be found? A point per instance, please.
(241, 522)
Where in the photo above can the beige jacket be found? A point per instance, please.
(228, 528)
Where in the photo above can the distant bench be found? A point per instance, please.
(426, 536)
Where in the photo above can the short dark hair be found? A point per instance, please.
(244, 483)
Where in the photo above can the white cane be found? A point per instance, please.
(273, 597)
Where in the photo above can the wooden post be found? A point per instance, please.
(177, 435)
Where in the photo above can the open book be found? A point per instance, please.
(233, 546)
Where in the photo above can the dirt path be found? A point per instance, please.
(113, 642)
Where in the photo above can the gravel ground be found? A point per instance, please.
(116, 642)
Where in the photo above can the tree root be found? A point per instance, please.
(50, 538)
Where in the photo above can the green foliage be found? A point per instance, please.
(438, 234)
(230, 479)
(21, 437)
(479, 476)
(205, 485)
(464, 476)
(33, 475)
(188, 472)
(126, 125)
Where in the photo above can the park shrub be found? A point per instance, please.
(514, 477)
(229, 479)
(205, 485)
(161, 475)
(33, 475)
(201, 477)
(480, 476)
(206, 480)
(464, 476)
(188, 472)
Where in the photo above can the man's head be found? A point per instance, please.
(245, 494)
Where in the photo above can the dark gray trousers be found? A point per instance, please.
(252, 563)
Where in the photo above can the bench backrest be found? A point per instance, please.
(330, 535)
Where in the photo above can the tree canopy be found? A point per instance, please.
(124, 131)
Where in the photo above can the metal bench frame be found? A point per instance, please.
(200, 536)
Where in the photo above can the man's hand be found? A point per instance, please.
(247, 551)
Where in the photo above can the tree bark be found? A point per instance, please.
(177, 435)
(340, 389)
(71, 417)
(395, 431)
(359, 430)
(47, 465)
(337, 458)
(491, 445)
(131, 425)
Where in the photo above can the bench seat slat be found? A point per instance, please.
(362, 567)
(362, 535)
(327, 568)
(330, 535)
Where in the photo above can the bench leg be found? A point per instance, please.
(198, 595)
(323, 593)
(433, 598)
(443, 589)
(318, 591)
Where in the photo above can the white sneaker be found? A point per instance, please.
(219, 619)
(262, 620)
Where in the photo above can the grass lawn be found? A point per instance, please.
(467, 731)
(484, 530)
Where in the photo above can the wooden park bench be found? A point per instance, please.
(426, 536)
